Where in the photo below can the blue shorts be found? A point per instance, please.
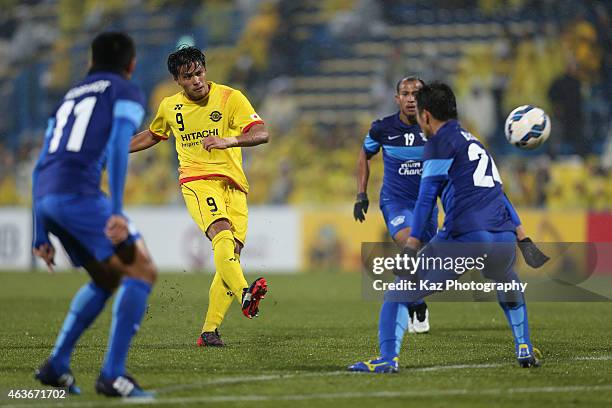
(399, 216)
(79, 221)
(497, 251)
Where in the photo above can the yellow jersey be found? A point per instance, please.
(225, 112)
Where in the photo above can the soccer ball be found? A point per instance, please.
(527, 127)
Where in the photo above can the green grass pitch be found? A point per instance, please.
(311, 327)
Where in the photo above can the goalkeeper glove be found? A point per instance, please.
(361, 207)
(531, 253)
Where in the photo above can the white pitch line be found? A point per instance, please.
(273, 377)
(331, 396)
(594, 358)
(255, 378)
(455, 367)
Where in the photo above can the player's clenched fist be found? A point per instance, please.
(361, 207)
(116, 229)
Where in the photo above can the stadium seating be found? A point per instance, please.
(337, 61)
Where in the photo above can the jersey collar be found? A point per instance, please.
(449, 126)
(399, 122)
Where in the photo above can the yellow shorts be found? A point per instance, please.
(214, 199)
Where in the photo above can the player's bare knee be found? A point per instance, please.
(216, 227)
(143, 267)
(150, 272)
(140, 267)
(146, 265)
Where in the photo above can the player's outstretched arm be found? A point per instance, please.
(116, 227)
(256, 135)
(143, 140)
(41, 245)
(363, 175)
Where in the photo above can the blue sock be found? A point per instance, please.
(392, 324)
(128, 311)
(85, 307)
(516, 314)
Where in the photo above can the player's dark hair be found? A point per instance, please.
(438, 99)
(112, 51)
(185, 56)
(408, 78)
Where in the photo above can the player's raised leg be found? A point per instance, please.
(226, 263)
(238, 212)
(515, 309)
(516, 314)
(228, 266)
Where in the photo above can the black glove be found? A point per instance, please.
(361, 207)
(531, 253)
(411, 253)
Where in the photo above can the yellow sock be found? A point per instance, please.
(228, 264)
(219, 300)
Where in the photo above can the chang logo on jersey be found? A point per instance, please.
(200, 134)
(410, 168)
(94, 87)
(215, 116)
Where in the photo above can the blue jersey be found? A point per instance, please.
(402, 147)
(77, 142)
(459, 169)
(91, 129)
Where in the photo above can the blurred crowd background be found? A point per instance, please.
(319, 72)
